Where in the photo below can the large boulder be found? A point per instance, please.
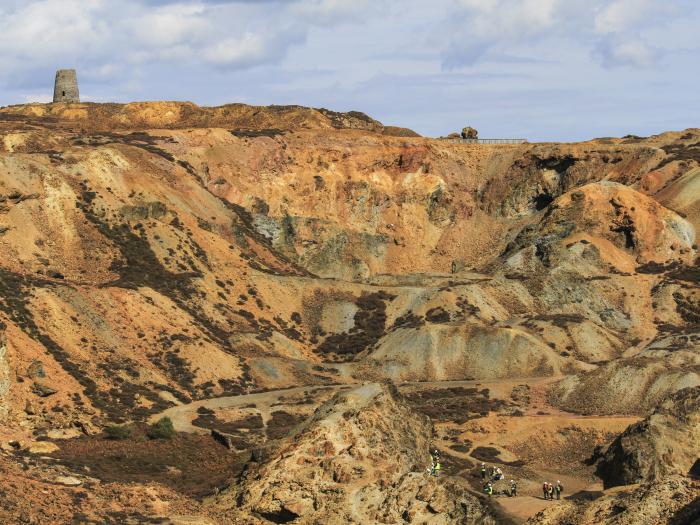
(470, 133)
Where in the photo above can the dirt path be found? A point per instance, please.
(183, 415)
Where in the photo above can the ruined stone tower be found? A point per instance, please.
(66, 86)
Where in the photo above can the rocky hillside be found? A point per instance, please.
(665, 443)
(158, 254)
(361, 458)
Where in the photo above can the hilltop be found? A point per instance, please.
(184, 115)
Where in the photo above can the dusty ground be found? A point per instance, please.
(236, 268)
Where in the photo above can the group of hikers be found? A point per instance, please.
(490, 475)
(549, 490)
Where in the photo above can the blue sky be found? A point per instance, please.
(539, 69)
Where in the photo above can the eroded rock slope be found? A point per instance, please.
(160, 253)
(361, 458)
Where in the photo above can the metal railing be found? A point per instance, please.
(488, 141)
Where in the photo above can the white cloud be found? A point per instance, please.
(622, 15)
(41, 34)
(250, 49)
(325, 12)
(50, 29)
(619, 53)
(613, 29)
(171, 25)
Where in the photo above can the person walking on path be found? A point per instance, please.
(550, 491)
(545, 492)
(559, 488)
(513, 488)
(483, 471)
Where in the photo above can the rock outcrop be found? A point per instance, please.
(665, 443)
(362, 458)
(671, 501)
(470, 133)
(657, 458)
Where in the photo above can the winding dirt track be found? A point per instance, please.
(183, 415)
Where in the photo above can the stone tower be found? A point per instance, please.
(66, 86)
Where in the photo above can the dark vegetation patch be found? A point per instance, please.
(514, 276)
(585, 495)
(161, 429)
(283, 515)
(369, 327)
(689, 274)
(542, 200)
(486, 454)
(463, 448)
(282, 424)
(176, 367)
(520, 394)
(680, 152)
(437, 315)
(454, 465)
(457, 404)
(491, 455)
(121, 518)
(254, 133)
(139, 266)
(139, 139)
(197, 463)
(558, 164)
(117, 432)
(688, 309)
(623, 223)
(653, 267)
(409, 320)
(560, 320)
(211, 422)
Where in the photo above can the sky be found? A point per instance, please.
(545, 70)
